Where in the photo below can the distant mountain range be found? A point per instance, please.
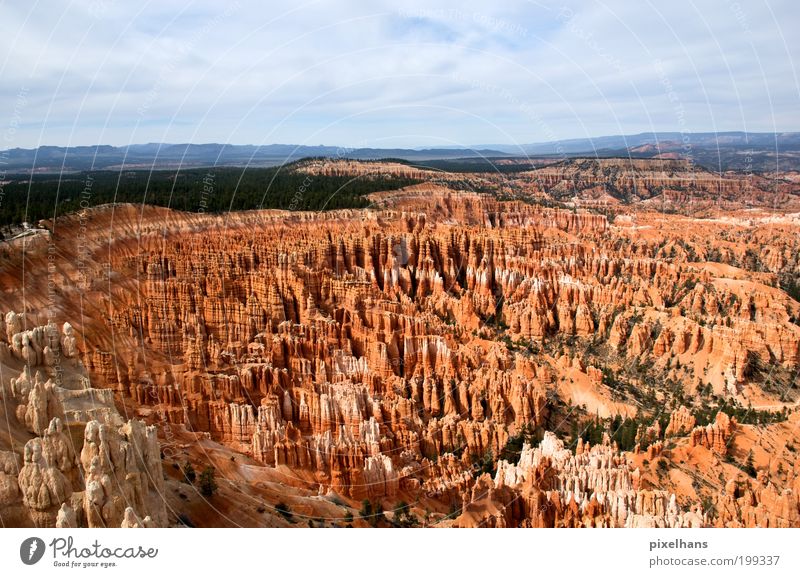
(147, 156)
(666, 140)
(717, 151)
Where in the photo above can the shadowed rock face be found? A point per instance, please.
(397, 353)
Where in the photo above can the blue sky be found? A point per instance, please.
(368, 73)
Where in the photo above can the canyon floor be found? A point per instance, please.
(592, 343)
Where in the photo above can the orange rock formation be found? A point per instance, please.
(391, 353)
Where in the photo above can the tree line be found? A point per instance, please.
(32, 198)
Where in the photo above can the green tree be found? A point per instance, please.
(189, 474)
(366, 509)
(403, 517)
(749, 467)
(208, 482)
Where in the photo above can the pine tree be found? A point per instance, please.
(208, 482)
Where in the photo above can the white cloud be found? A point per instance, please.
(365, 73)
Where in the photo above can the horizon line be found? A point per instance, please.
(474, 147)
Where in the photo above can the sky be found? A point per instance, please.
(391, 74)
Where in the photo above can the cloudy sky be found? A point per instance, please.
(367, 73)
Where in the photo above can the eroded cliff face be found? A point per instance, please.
(670, 182)
(673, 184)
(396, 353)
(70, 459)
(595, 486)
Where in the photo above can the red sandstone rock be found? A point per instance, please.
(681, 422)
(715, 436)
(388, 351)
